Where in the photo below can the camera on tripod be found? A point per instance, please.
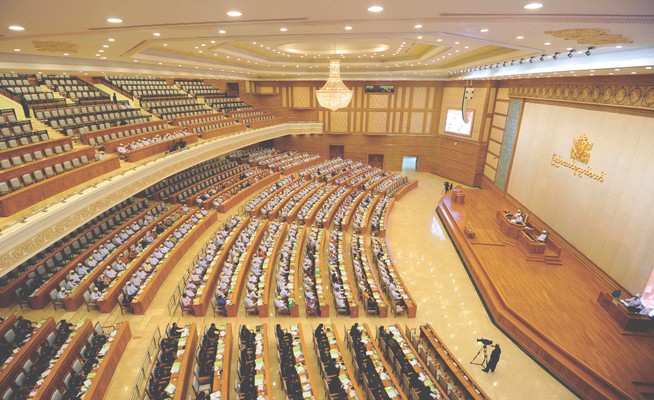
(485, 342)
(484, 360)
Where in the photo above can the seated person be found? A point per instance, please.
(517, 218)
(542, 237)
(280, 306)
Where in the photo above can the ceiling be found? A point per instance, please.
(294, 39)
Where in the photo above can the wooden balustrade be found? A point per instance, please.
(158, 148)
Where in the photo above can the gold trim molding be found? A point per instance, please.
(632, 96)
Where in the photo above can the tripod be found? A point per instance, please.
(484, 362)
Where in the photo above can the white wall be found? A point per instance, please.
(611, 222)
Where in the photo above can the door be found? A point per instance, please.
(232, 89)
(376, 160)
(336, 151)
(409, 163)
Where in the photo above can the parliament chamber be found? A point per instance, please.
(185, 215)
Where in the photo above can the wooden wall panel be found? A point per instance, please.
(460, 160)
(358, 147)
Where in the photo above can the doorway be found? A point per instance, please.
(336, 151)
(376, 160)
(409, 163)
(232, 89)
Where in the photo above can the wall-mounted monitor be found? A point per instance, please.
(380, 89)
(454, 123)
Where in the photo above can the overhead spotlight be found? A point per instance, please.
(512, 61)
(570, 53)
(522, 60)
(542, 57)
(504, 64)
(556, 55)
(531, 60)
(587, 52)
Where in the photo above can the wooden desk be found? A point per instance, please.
(275, 211)
(377, 361)
(112, 145)
(530, 245)
(26, 197)
(181, 120)
(31, 148)
(220, 382)
(224, 131)
(269, 272)
(109, 363)
(41, 297)
(247, 192)
(508, 228)
(75, 298)
(12, 368)
(28, 168)
(456, 374)
(458, 196)
(295, 272)
(328, 216)
(86, 137)
(350, 211)
(158, 148)
(181, 379)
(7, 324)
(264, 123)
(65, 362)
(203, 299)
(406, 189)
(354, 391)
(143, 299)
(626, 319)
(240, 271)
(257, 209)
(411, 305)
(298, 167)
(110, 297)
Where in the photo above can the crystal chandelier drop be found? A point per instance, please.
(334, 94)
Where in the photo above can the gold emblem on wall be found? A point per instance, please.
(580, 151)
(581, 148)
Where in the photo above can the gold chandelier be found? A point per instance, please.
(334, 94)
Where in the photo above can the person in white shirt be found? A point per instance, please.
(110, 273)
(95, 295)
(280, 306)
(248, 302)
(62, 293)
(97, 256)
(542, 237)
(130, 289)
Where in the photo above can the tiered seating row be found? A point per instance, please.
(366, 282)
(370, 368)
(342, 289)
(391, 281)
(338, 379)
(287, 272)
(297, 380)
(253, 364)
(211, 373)
(314, 292)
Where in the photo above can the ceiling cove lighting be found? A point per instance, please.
(533, 6)
(334, 94)
(16, 28)
(375, 9)
(114, 20)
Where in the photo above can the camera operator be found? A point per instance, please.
(494, 358)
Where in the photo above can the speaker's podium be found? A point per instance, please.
(626, 319)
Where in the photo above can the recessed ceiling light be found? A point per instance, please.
(136, 60)
(439, 40)
(165, 44)
(115, 20)
(648, 67)
(419, 37)
(16, 49)
(222, 31)
(519, 37)
(375, 9)
(617, 69)
(533, 6)
(547, 43)
(157, 34)
(97, 55)
(16, 28)
(484, 30)
(348, 28)
(105, 46)
(417, 26)
(618, 47)
(100, 51)
(111, 39)
(633, 72)
(283, 29)
(65, 54)
(160, 63)
(234, 13)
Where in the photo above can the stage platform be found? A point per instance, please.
(550, 310)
